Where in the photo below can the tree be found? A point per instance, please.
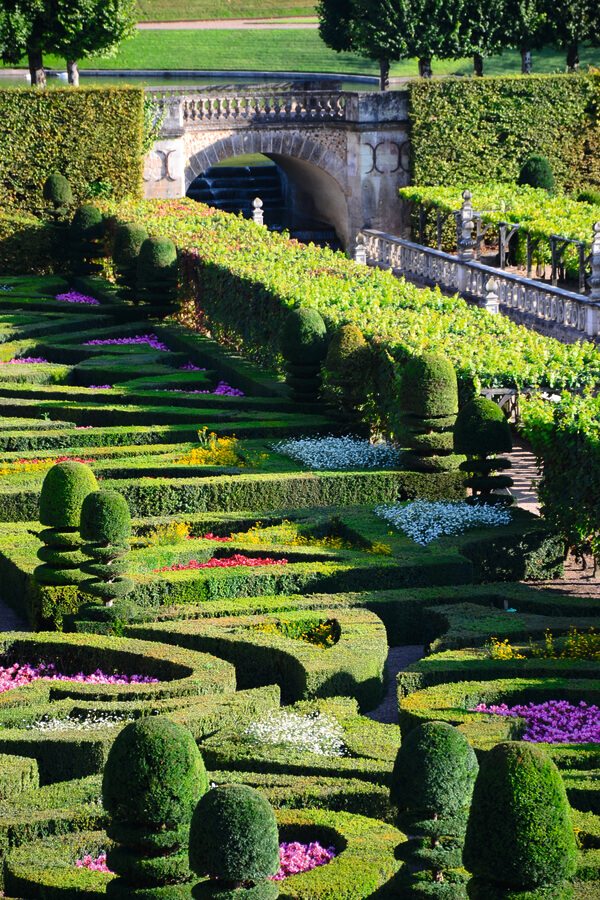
(481, 30)
(25, 30)
(526, 28)
(84, 28)
(570, 22)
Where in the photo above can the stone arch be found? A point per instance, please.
(317, 175)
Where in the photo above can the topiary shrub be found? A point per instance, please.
(64, 489)
(153, 778)
(537, 173)
(127, 243)
(481, 430)
(235, 841)
(157, 273)
(106, 527)
(86, 233)
(428, 400)
(519, 835)
(432, 783)
(589, 196)
(57, 191)
(303, 346)
(347, 372)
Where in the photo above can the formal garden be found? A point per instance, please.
(212, 579)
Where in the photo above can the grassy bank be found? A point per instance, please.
(175, 10)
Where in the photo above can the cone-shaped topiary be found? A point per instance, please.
(57, 191)
(536, 172)
(303, 346)
(64, 489)
(346, 372)
(153, 778)
(432, 784)
(428, 400)
(481, 429)
(106, 527)
(234, 839)
(157, 272)
(519, 834)
(86, 233)
(126, 249)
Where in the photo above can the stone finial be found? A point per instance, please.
(464, 229)
(594, 279)
(360, 249)
(257, 211)
(491, 301)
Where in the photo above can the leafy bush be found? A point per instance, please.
(536, 172)
(346, 372)
(480, 431)
(106, 526)
(127, 243)
(303, 345)
(157, 272)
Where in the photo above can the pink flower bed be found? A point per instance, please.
(75, 297)
(138, 339)
(223, 390)
(295, 858)
(211, 537)
(94, 865)
(191, 368)
(25, 360)
(17, 676)
(231, 562)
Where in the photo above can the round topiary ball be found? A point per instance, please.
(481, 428)
(347, 351)
(519, 833)
(304, 337)
(428, 386)
(64, 489)
(434, 771)
(57, 190)
(156, 255)
(87, 223)
(536, 172)
(127, 243)
(154, 775)
(234, 836)
(105, 518)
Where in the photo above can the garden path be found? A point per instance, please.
(228, 24)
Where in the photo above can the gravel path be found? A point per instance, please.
(228, 25)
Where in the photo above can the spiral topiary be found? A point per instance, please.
(64, 489)
(157, 273)
(346, 372)
(432, 784)
(153, 778)
(428, 400)
(234, 839)
(303, 346)
(106, 527)
(86, 234)
(57, 191)
(126, 249)
(519, 835)
(480, 430)
(536, 172)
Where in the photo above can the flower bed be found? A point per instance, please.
(238, 559)
(424, 522)
(331, 453)
(76, 297)
(25, 360)
(315, 733)
(18, 675)
(150, 339)
(553, 722)
(296, 857)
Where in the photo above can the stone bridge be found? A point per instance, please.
(343, 154)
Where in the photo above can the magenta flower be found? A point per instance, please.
(24, 360)
(150, 339)
(19, 675)
(553, 722)
(94, 865)
(75, 297)
(295, 858)
(191, 368)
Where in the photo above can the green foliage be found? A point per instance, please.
(88, 134)
(57, 190)
(536, 172)
(434, 771)
(234, 836)
(481, 430)
(106, 525)
(556, 116)
(589, 196)
(128, 240)
(347, 371)
(64, 489)
(519, 833)
(303, 338)
(157, 271)
(105, 518)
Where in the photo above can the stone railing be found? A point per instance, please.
(492, 288)
(259, 107)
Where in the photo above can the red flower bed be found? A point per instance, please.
(231, 562)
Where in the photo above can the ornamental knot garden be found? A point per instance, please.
(344, 154)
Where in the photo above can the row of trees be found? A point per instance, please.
(73, 29)
(389, 30)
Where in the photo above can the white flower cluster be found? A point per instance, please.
(78, 723)
(313, 732)
(425, 521)
(331, 452)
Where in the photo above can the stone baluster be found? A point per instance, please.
(491, 301)
(360, 249)
(592, 319)
(464, 229)
(257, 211)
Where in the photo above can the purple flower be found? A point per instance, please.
(75, 297)
(25, 359)
(553, 722)
(150, 339)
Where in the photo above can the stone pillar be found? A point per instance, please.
(491, 301)
(360, 250)
(464, 229)
(164, 165)
(257, 211)
(592, 318)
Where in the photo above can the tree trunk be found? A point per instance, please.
(73, 73)
(525, 62)
(478, 65)
(36, 68)
(573, 57)
(384, 74)
(425, 67)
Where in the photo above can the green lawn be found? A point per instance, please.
(174, 10)
(298, 51)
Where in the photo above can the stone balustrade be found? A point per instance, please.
(541, 304)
